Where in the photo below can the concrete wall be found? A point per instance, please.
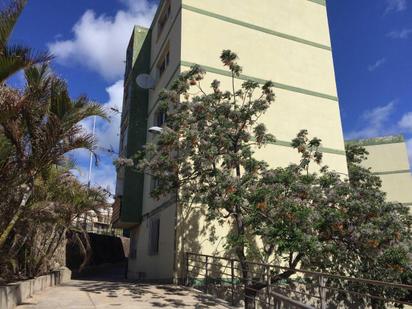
(295, 55)
(142, 265)
(388, 159)
(14, 294)
(284, 41)
(159, 267)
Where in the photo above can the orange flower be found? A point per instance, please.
(231, 189)
(262, 205)
(373, 243)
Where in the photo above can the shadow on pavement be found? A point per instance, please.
(110, 282)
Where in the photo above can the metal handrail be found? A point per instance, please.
(207, 260)
(360, 280)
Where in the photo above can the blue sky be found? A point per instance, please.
(371, 40)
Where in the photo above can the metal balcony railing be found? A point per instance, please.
(221, 276)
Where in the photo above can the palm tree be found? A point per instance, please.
(43, 124)
(14, 57)
(58, 200)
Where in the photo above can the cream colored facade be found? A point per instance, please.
(286, 41)
(388, 159)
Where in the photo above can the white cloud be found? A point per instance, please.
(107, 137)
(406, 122)
(99, 42)
(395, 6)
(103, 175)
(375, 122)
(400, 34)
(376, 65)
(108, 133)
(377, 116)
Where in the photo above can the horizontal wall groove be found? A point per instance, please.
(262, 81)
(392, 172)
(255, 27)
(376, 141)
(322, 149)
(277, 142)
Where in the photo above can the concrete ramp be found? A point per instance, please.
(87, 294)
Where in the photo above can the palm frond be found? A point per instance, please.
(8, 18)
(81, 109)
(38, 78)
(16, 57)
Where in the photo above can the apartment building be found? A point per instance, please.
(286, 41)
(388, 159)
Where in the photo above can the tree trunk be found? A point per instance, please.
(249, 295)
(377, 304)
(85, 249)
(49, 252)
(5, 234)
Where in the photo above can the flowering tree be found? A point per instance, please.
(205, 155)
(322, 222)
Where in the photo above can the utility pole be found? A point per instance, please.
(89, 176)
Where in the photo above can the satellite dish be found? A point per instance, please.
(155, 130)
(145, 81)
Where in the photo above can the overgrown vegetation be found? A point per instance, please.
(39, 125)
(319, 221)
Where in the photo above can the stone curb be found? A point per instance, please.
(14, 294)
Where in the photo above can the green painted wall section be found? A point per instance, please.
(322, 149)
(321, 2)
(132, 201)
(138, 40)
(392, 172)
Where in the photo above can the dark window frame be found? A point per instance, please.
(154, 236)
(154, 183)
(160, 118)
(163, 18)
(163, 62)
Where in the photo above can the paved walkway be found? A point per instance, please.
(85, 294)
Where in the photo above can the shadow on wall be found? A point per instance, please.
(105, 249)
(199, 236)
(189, 233)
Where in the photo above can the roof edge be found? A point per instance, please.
(380, 140)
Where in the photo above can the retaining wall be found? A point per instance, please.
(16, 293)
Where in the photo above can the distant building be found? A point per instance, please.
(388, 158)
(287, 42)
(98, 223)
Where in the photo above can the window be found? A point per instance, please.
(154, 229)
(163, 62)
(164, 16)
(123, 145)
(160, 118)
(129, 58)
(154, 183)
